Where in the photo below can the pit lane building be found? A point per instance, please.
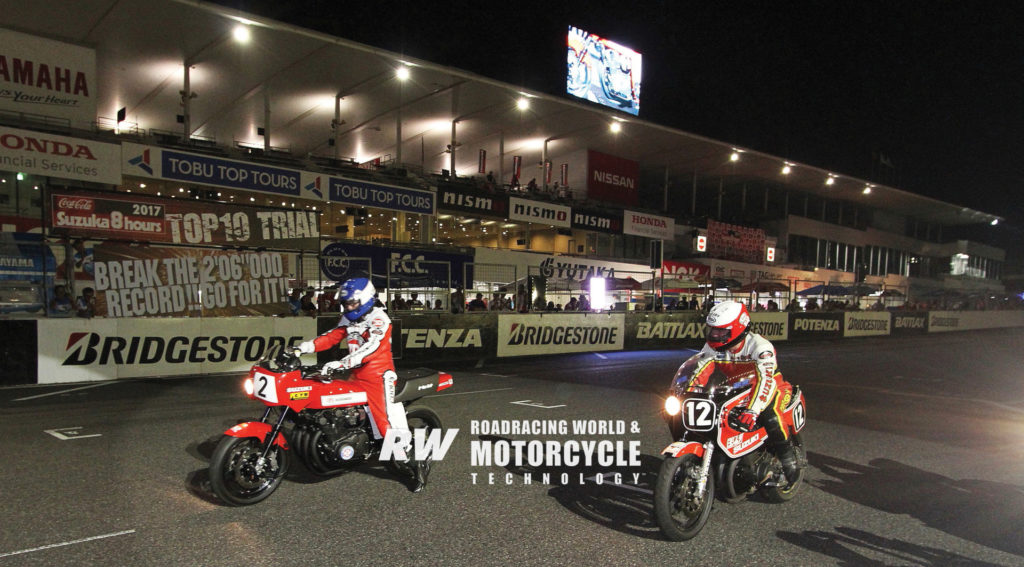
(148, 140)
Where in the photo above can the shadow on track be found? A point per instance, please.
(849, 546)
(984, 512)
(622, 507)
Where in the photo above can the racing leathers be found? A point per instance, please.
(369, 354)
(765, 406)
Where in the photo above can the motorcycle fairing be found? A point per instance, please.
(737, 443)
(680, 448)
(256, 429)
(795, 413)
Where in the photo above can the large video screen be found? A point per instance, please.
(602, 71)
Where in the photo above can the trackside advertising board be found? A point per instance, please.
(866, 323)
(75, 350)
(664, 331)
(772, 326)
(816, 325)
(941, 321)
(909, 322)
(525, 335)
(47, 154)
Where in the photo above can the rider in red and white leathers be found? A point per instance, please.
(366, 329)
(729, 340)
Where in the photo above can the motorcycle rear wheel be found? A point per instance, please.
(416, 418)
(780, 494)
(236, 475)
(679, 513)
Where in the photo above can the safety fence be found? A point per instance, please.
(76, 350)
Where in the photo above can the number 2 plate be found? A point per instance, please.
(264, 387)
(699, 415)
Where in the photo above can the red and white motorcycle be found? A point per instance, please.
(324, 421)
(712, 452)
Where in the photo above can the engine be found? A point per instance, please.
(330, 439)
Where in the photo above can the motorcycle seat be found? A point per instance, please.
(416, 383)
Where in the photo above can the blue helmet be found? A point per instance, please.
(357, 298)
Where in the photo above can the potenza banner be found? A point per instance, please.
(43, 76)
(59, 156)
(75, 350)
(536, 211)
(381, 196)
(651, 226)
(134, 281)
(612, 179)
(523, 335)
(179, 221)
(161, 163)
(816, 325)
(866, 323)
(474, 203)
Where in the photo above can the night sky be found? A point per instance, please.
(937, 88)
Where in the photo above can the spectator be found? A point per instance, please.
(439, 305)
(295, 302)
(584, 303)
(693, 303)
(812, 304)
(327, 302)
(551, 306)
(414, 303)
(772, 306)
(306, 304)
(514, 184)
(398, 304)
(458, 300)
(573, 304)
(522, 300)
(531, 187)
(477, 304)
(86, 303)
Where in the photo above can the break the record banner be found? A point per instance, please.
(181, 221)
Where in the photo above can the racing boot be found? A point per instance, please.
(787, 456)
(420, 470)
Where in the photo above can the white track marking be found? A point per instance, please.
(465, 393)
(52, 545)
(601, 356)
(62, 391)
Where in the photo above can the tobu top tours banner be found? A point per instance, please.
(180, 221)
(140, 281)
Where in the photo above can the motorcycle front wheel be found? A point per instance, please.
(679, 512)
(240, 476)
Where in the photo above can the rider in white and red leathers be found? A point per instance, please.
(729, 340)
(366, 329)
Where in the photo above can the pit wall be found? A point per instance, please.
(80, 350)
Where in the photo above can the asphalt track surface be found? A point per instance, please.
(915, 449)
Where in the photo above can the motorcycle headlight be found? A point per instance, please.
(673, 405)
(247, 386)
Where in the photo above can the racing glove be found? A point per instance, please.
(306, 347)
(330, 367)
(747, 419)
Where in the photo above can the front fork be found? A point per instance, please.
(268, 443)
(705, 469)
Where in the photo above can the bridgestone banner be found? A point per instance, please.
(772, 326)
(866, 323)
(74, 350)
(524, 335)
(137, 281)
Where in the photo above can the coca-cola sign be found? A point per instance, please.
(75, 203)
